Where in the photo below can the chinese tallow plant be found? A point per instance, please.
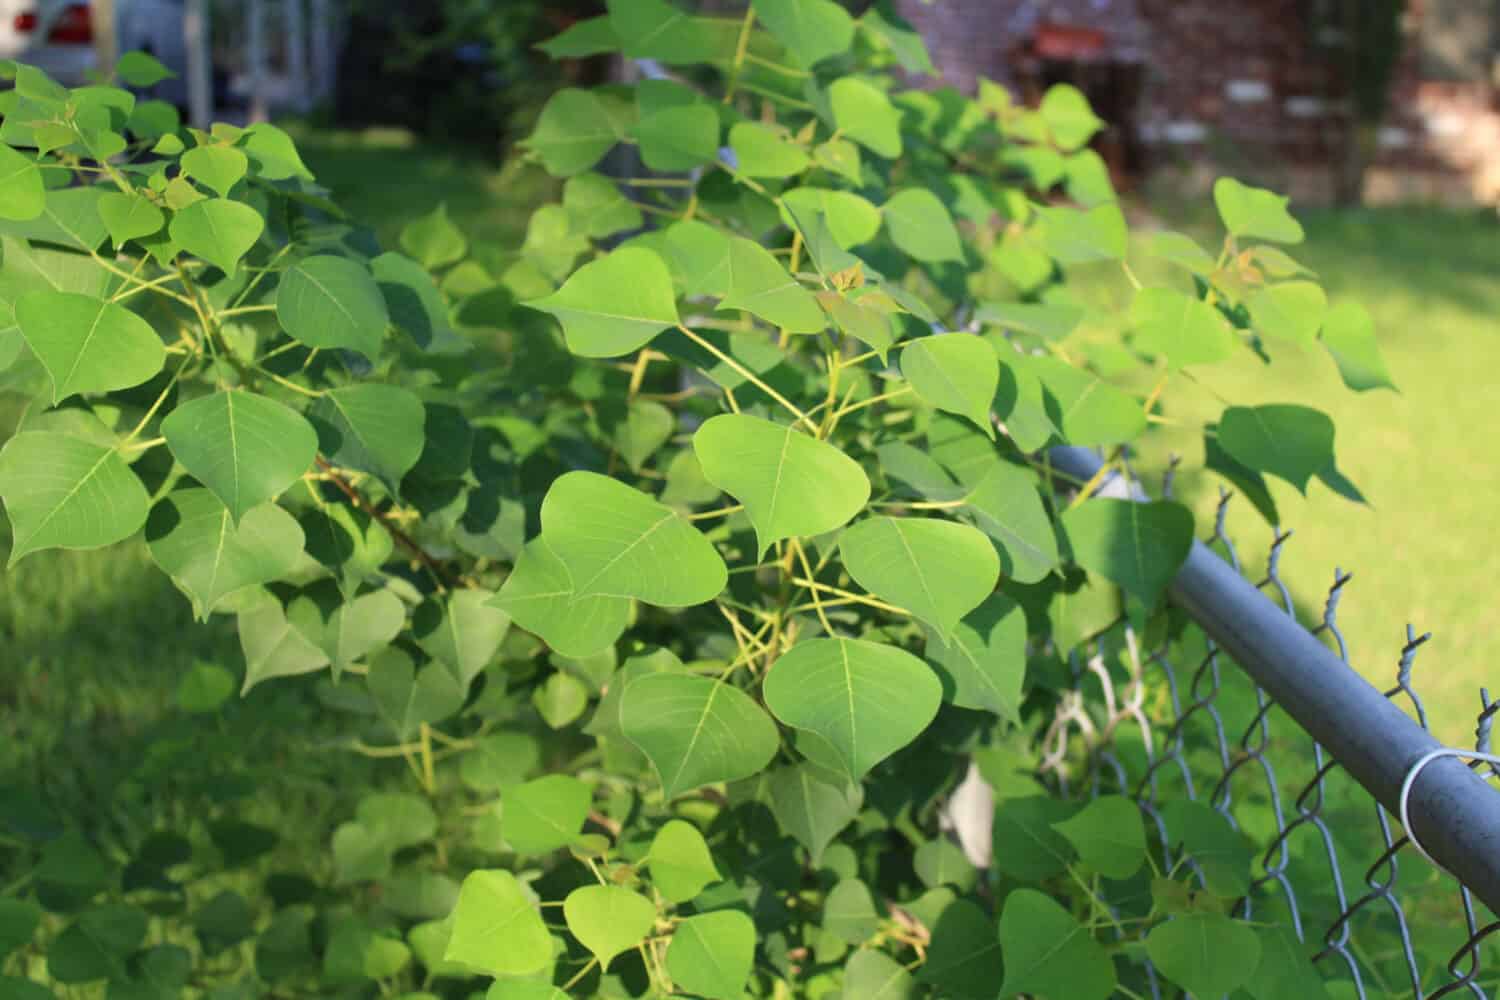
(689, 553)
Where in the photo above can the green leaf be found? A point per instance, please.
(596, 207)
(433, 240)
(540, 597)
(573, 132)
(545, 814)
(759, 284)
(1108, 835)
(655, 29)
(813, 804)
(1182, 329)
(874, 975)
(681, 865)
(560, 700)
(964, 954)
(921, 226)
(141, 69)
(88, 344)
(711, 954)
(194, 541)
(463, 633)
(1292, 442)
(696, 731)
(327, 301)
(792, 485)
(1207, 954)
(983, 665)
(618, 542)
(405, 696)
(1139, 546)
(370, 427)
(203, 689)
(63, 492)
(1255, 212)
(699, 256)
(1223, 853)
(866, 700)
(129, 216)
(863, 314)
(1291, 310)
(1046, 320)
(218, 230)
(1181, 250)
(216, 167)
(1049, 953)
(849, 218)
(897, 35)
(865, 114)
(849, 912)
(1026, 846)
(1349, 335)
(941, 861)
(608, 920)
(273, 646)
(351, 630)
(647, 426)
(19, 919)
(678, 138)
(96, 945)
(1068, 117)
(1072, 236)
(497, 930)
(1089, 411)
(1005, 505)
(70, 217)
(957, 372)
(589, 37)
(839, 156)
(811, 30)
(760, 151)
(938, 570)
(1285, 968)
(22, 195)
(499, 760)
(244, 447)
(615, 304)
(274, 153)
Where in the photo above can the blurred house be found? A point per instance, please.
(1259, 85)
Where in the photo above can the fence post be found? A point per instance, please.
(195, 30)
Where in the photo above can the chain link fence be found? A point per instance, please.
(1265, 721)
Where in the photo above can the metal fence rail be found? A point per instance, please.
(1320, 863)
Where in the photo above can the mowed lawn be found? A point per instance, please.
(95, 642)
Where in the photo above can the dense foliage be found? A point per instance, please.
(685, 566)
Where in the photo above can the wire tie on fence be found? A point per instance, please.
(1411, 778)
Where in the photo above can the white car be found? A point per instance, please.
(57, 36)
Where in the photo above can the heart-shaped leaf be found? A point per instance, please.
(218, 230)
(813, 804)
(938, 570)
(875, 975)
(647, 426)
(1292, 442)
(433, 240)
(497, 930)
(1207, 954)
(332, 302)
(244, 447)
(22, 194)
(573, 132)
(1074, 236)
(681, 865)
(678, 138)
(1068, 117)
(760, 151)
(983, 665)
(864, 114)
(372, 428)
(957, 372)
(1290, 310)
(866, 700)
(1182, 329)
(920, 225)
(759, 284)
(1090, 411)
(192, 538)
(711, 954)
(349, 631)
(811, 30)
(1349, 335)
(792, 485)
(615, 304)
(1049, 953)
(1108, 835)
(545, 814)
(608, 920)
(1255, 212)
(129, 216)
(696, 731)
(540, 597)
(1139, 546)
(462, 633)
(1005, 505)
(217, 167)
(87, 344)
(618, 542)
(64, 492)
(273, 646)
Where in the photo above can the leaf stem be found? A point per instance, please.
(749, 376)
(807, 569)
(849, 596)
(704, 515)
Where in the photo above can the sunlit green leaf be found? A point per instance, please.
(1291, 442)
(88, 344)
(497, 930)
(696, 731)
(64, 492)
(759, 284)
(608, 919)
(937, 570)
(711, 954)
(192, 538)
(615, 304)
(329, 301)
(1048, 953)
(1255, 212)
